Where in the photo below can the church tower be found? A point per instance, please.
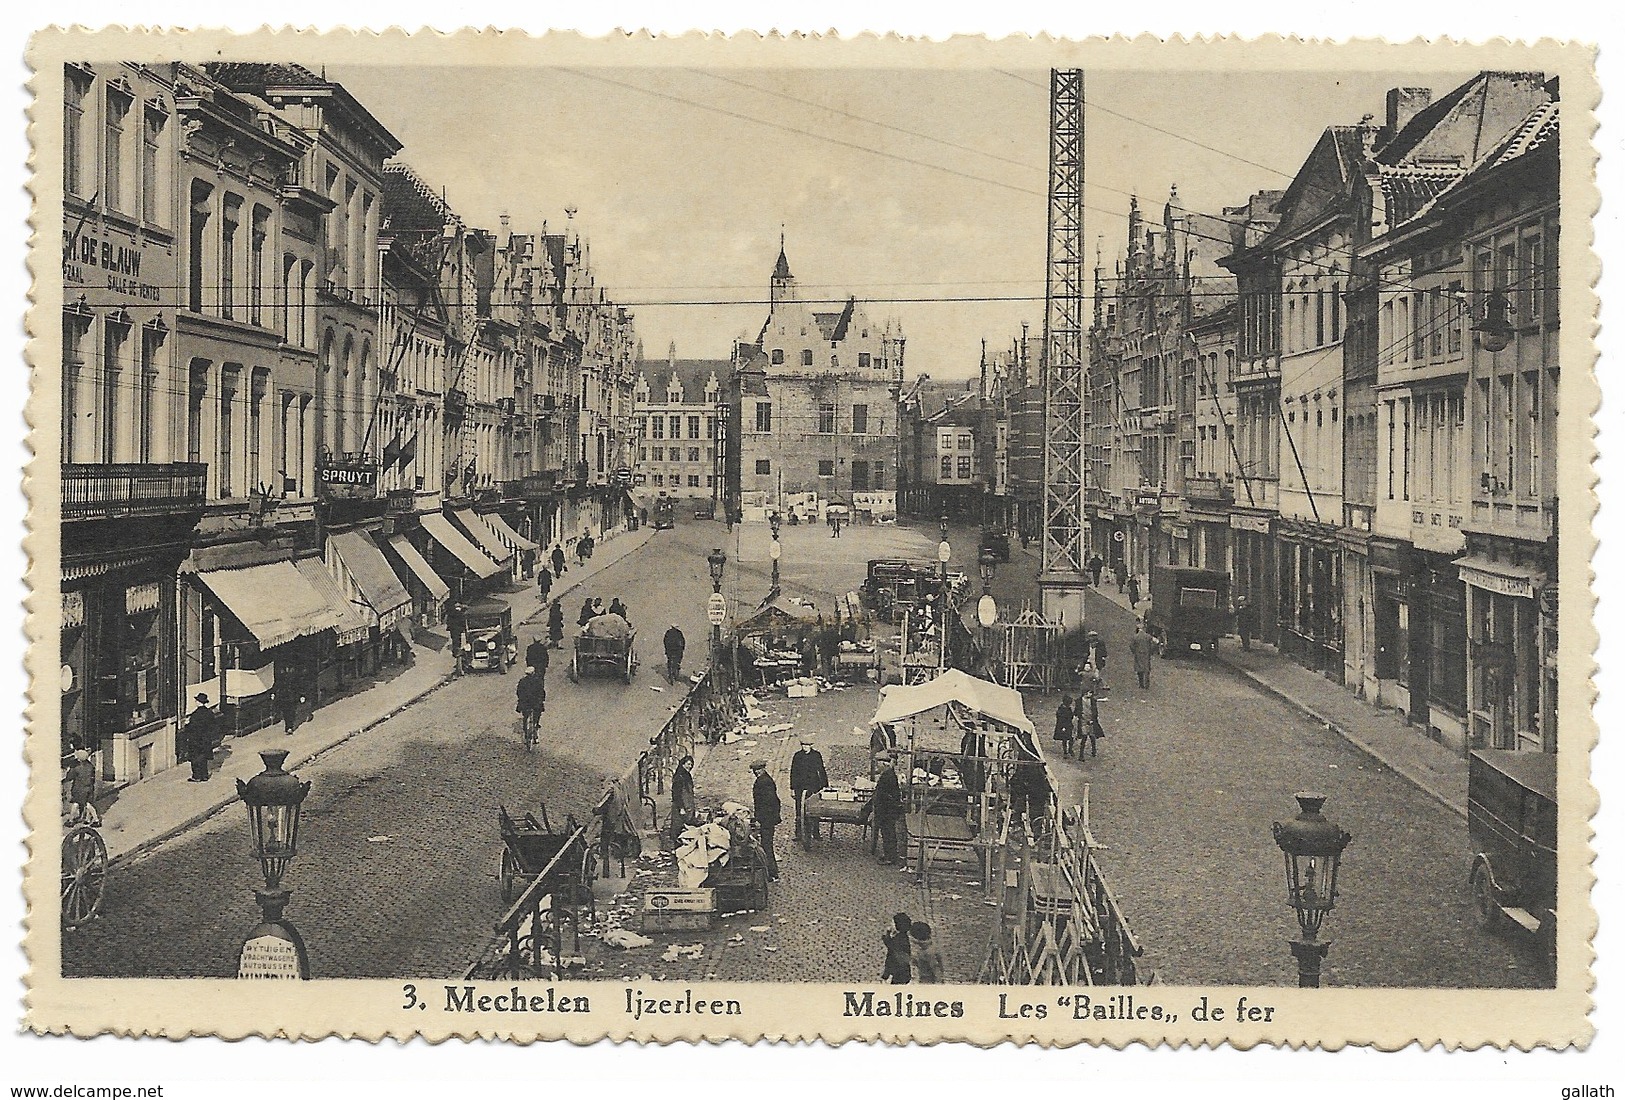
(782, 287)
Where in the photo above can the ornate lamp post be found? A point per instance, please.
(773, 521)
(274, 948)
(987, 611)
(944, 552)
(1313, 848)
(717, 561)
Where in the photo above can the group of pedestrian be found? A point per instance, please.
(910, 952)
(1077, 724)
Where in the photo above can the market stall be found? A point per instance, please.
(958, 741)
(774, 640)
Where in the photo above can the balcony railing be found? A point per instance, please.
(102, 490)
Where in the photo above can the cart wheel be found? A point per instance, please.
(631, 666)
(509, 874)
(1485, 907)
(575, 669)
(84, 874)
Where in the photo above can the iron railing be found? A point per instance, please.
(101, 490)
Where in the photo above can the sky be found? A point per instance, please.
(912, 190)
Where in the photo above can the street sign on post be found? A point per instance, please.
(716, 610)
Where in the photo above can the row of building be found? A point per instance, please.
(304, 403)
(1343, 393)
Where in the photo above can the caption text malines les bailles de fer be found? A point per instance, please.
(638, 1004)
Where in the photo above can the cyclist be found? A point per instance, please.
(531, 701)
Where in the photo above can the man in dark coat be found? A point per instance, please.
(674, 643)
(558, 560)
(202, 732)
(1064, 729)
(1142, 647)
(1095, 566)
(544, 583)
(807, 776)
(1246, 621)
(536, 655)
(1133, 590)
(588, 612)
(765, 799)
(286, 697)
(888, 810)
(555, 625)
(530, 697)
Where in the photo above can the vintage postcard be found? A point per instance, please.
(795, 538)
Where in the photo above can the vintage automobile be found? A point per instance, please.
(996, 539)
(1190, 608)
(607, 643)
(488, 642)
(1512, 825)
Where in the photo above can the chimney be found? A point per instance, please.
(1405, 104)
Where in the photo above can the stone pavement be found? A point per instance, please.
(141, 815)
(1380, 734)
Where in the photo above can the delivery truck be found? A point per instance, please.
(1190, 608)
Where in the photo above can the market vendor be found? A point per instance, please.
(808, 776)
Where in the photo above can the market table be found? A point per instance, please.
(837, 808)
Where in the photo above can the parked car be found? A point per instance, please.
(1512, 825)
(996, 539)
(488, 639)
(706, 510)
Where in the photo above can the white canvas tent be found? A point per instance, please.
(900, 702)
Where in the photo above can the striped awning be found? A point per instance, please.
(352, 624)
(274, 601)
(365, 572)
(484, 536)
(506, 533)
(438, 589)
(455, 543)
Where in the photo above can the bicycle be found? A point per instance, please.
(530, 729)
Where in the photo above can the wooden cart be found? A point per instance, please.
(530, 844)
(84, 875)
(616, 655)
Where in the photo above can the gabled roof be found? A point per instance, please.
(1538, 132)
(1466, 121)
(693, 375)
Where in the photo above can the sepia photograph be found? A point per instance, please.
(704, 539)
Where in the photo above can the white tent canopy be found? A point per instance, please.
(899, 702)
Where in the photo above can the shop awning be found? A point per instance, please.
(352, 624)
(438, 589)
(1002, 704)
(457, 545)
(483, 536)
(274, 601)
(1500, 576)
(364, 567)
(508, 534)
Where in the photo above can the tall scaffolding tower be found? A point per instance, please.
(1063, 367)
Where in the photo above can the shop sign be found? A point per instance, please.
(1521, 587)
(73, 610)
(1147, 500)
(1257, 524)
(88, 258)
(347, 480)
(623, 475)
(141, 597)
(716, 609)
(1179, 531)
(695, 900)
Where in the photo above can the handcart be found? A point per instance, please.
(530, 845)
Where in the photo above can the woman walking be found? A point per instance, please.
(555, 624)
(1064, 725)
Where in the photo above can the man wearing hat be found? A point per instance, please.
(765, 797)
(202, 731)
(888, 808)
(807, 776)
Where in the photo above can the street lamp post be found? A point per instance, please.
(716, 561)
(944, 552)
(1313, 848)
(987, 611)
(773, 520)
(274, 948)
